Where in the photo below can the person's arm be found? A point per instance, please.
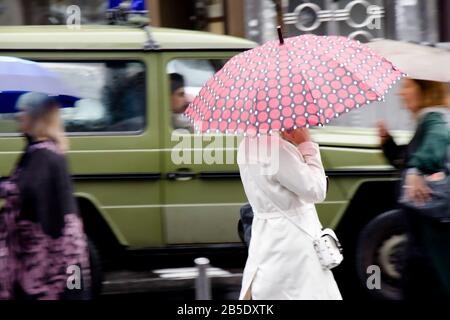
(428, 158)
(305, 178)
(46, 190)
(431, 154)
(2, 188)
(6, 188)
(34, 185)
(395, 154)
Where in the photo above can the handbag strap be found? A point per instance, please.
(287, 216)
(299, 227)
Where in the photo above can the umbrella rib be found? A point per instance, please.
(345, 67)
(260, 85)
(306, 85)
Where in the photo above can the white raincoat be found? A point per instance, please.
(282, 263)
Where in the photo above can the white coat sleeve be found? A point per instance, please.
(305, 178)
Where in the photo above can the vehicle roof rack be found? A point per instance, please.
(151, 43)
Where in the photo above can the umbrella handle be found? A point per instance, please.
(280, 35)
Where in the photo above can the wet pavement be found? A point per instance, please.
(170, 284)
(173, 276)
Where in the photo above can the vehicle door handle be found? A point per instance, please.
(181, 175)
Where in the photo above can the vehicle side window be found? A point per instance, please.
(186, 77)
(112, 97)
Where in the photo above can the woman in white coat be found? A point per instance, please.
(284, 173)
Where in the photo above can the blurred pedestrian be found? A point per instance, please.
(179, 103)
(282, 263)
(43, 248)
(426, 271)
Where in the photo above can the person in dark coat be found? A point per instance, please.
(43, 248)
(426, 271)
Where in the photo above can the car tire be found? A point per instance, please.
(95, 269)
(382, 243)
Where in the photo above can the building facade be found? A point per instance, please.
(412, 20)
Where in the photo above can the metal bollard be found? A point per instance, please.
(202, 284)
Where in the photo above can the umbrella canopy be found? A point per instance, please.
(297, 82)
(19, 75)
(417, 61)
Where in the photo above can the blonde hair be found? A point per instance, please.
(433, 93)
(44, 125)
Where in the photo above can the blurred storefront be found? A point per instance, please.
(218, 16)
(43, 12)
(413, 20)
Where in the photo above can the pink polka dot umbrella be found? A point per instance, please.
(290, 83)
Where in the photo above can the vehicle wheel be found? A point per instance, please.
(96, 269)
(382, 243)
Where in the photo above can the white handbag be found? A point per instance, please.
(327, 246)
(328, 249)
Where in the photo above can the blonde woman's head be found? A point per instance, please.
(420, 94)
(40, 119)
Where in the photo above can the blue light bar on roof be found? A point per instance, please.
(114, 4)
(137, 6)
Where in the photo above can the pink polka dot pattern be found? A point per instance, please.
(308, 81)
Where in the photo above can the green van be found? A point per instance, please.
(135, 198)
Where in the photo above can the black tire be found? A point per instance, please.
(96, 270)
(382, 243)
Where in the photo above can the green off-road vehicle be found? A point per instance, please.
(135, 198)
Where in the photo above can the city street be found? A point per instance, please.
(169, 284)
(144, 144)
(173, 277)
